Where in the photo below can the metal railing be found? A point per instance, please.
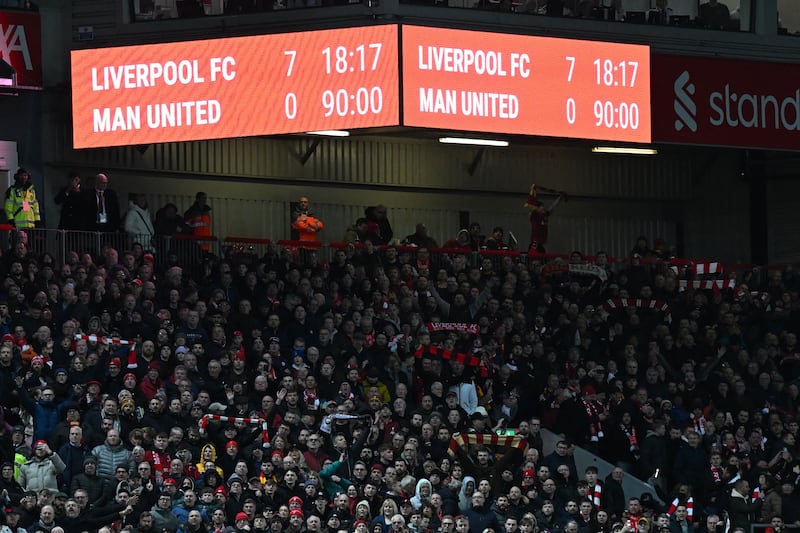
(60, 243)
(190, 249)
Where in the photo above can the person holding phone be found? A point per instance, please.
(42, 469)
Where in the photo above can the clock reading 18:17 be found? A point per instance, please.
(361, 59)
(569, 88)
(621, 74)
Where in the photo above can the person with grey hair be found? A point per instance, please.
(72, 453)
(397, 523)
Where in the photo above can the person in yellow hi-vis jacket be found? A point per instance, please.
(22, 207)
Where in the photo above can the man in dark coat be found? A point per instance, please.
(691, 462)
(71, 201)
(481, 516)
(742, 511)
(101, 206)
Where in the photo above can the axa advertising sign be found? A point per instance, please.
(21, 45)
(725, 102)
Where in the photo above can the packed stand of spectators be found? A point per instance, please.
(402, 391)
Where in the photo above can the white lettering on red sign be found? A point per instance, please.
(14, 40)
(747, 110)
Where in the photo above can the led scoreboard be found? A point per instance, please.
(236, 87)
(351, 78)
(503, 83)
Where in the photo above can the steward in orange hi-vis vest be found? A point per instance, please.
(198, 217)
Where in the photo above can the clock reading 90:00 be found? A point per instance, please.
(362, 101)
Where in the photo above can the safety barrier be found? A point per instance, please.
(763, 528)
(192, 250)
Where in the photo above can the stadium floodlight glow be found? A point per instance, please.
(626, 150)
(330, 133)
(472, 142)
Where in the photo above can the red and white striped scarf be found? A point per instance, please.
(633, 440)
(595, 426)
(597, 494)
(689, 508)
(462, 439)
(699, 424)
(754, 295)
(707, 267)
(640, 303)
(705, 284)
(110, 341)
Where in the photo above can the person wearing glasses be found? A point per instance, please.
(163, 519)
(448, 524)
(397, 524)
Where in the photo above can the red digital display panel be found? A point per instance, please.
(516, 84)
(236, 87)
(21, 45)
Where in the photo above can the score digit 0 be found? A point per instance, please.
(290, 105)
(571, 110)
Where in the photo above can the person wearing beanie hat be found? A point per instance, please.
(241, 517)
(89, 481)
(127, 406)
(295, 502)
(230, 456)
(41, 470)
(152, 382)
(21, 205)
(296, 518)
(129, 381)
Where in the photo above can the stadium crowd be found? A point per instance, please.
(393, 390)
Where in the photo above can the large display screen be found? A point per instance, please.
(350, 78)
(516, 84)
(236, 87)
